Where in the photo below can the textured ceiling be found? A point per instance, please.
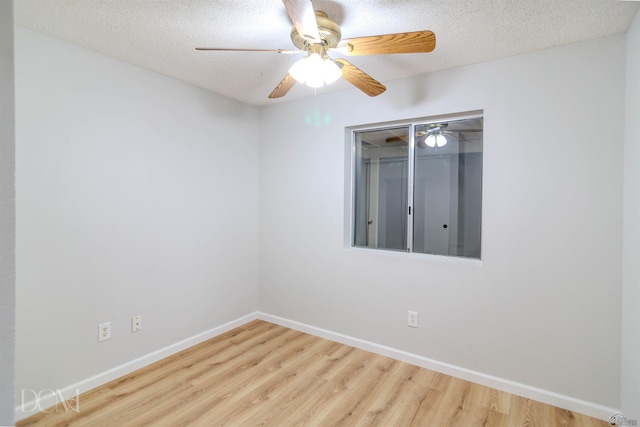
(161, 35)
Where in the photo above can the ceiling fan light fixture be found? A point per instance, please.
(315, 80)
(314, 71)
(314, 33)
(430, 141)
(331, 71)
(299, 70)
(314, 77)
(435, 140)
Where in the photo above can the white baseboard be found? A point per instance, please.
(545, 396)
(48, 398)
(32, 406)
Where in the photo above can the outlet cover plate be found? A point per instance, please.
(412, 319)
(104, 331)
(136, 323)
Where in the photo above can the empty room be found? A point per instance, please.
(296, 213)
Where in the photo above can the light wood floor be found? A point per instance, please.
(262, 374)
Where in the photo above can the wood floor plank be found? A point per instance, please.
(162, 391)
(276, 379)
(352, 409)
(319, 395)
(303, 400)
(226, 387)
(261, 374)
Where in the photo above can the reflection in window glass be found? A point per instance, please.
(448, 188)
(381, 188)
(428, 200)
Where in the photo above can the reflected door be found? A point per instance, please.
(435, 222)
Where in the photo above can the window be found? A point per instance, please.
(417, 186)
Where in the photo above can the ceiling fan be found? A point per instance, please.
(431, 134)
(315, 34)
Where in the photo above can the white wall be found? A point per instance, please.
(630, 394)
(543, 306)
(136, 194)
(7, 214)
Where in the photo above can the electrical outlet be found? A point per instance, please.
(136, 323)
(412, 319)
(104, 331)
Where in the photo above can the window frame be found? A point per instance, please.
(350, 180)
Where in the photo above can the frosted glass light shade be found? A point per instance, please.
(314, 71)
(331, 71)
(430, 141)
(299, 70)
(436, 140)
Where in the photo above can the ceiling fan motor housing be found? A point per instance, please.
(329, 32)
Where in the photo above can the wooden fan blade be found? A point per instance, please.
(360, 79)
(304, 19)
(413, 42)
(224, 49)
(283, 87)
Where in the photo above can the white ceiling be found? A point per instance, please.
(161, 35)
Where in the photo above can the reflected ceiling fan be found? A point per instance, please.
(315, 34)
(432, 135)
